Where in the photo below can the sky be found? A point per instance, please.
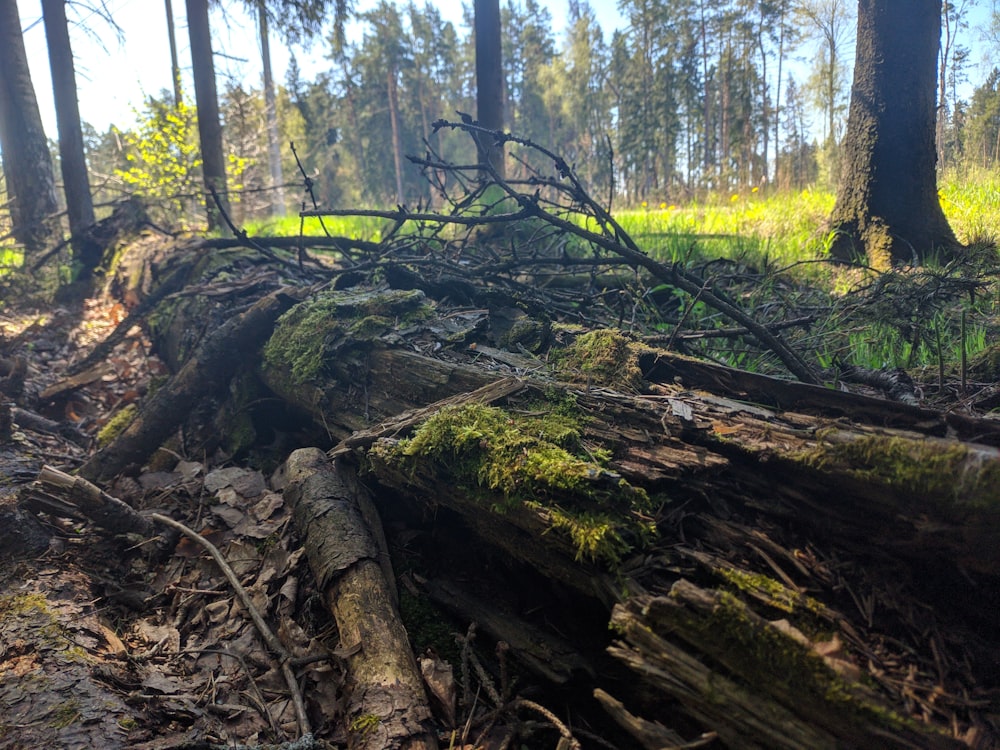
(114, 75)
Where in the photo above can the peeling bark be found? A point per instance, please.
(387, 706)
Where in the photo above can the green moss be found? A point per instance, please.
(528, 333)
(602, 357)
(427, 627)
(116, 425)
(308, 336)
(760, 654)
(65, 714)
(365, 723)
(777, 595)
(507, 459)
(128, 723)
(596, 536)
(918, 469)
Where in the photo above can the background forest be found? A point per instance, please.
(694, 98)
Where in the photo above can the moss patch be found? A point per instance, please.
(308, 336)
(508, 460)
(915, 468)
(761, 654)
(116, 425)
(602, 357)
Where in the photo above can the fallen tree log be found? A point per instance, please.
(613, 471)
(210, 367)
(386, 703)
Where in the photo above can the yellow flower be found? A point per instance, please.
(671, 207)
(644, 204)
(663, 206)
(734, 197)
(755, 189)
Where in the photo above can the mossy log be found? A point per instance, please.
(386, 705)
(616, 470)
(210, 367)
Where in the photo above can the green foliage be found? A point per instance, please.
(163, 160)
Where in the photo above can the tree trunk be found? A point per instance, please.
(209, 128)
(271, 112)
(489, 78)
(175, 67)
(27, 164)
(73, 163)
(887, 203)
(397, 142)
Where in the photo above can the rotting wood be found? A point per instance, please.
(650, 734)
(810, 706)
(210, 367)
(57, 492)
(836, 475)
(387, 706)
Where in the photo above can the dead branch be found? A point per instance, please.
(272, 641)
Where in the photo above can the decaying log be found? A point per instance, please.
(650, 734)
(59, 493)
(787, 697)
(387, 706)
(784, 480)
(209, 367)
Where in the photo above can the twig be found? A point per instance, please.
(550, 717)
(269, 637)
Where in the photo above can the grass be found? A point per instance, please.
(762, 233)
(356, 227)
(783, 228)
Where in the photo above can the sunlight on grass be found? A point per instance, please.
(767, 232)
(783, 228)
(356, 227)
(971, 201)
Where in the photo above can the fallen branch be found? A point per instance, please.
(387, 706)
(270, 639)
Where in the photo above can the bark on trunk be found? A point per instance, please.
(175, 67)
(271, 112)
(386, 706)
(27, 164)
(489, 79)
(887, 205)
(209, 127)
(76, 182)
(397, 139)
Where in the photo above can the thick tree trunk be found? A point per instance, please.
(72, 162)
(27, 164)
(887, 203)
(209, 127)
